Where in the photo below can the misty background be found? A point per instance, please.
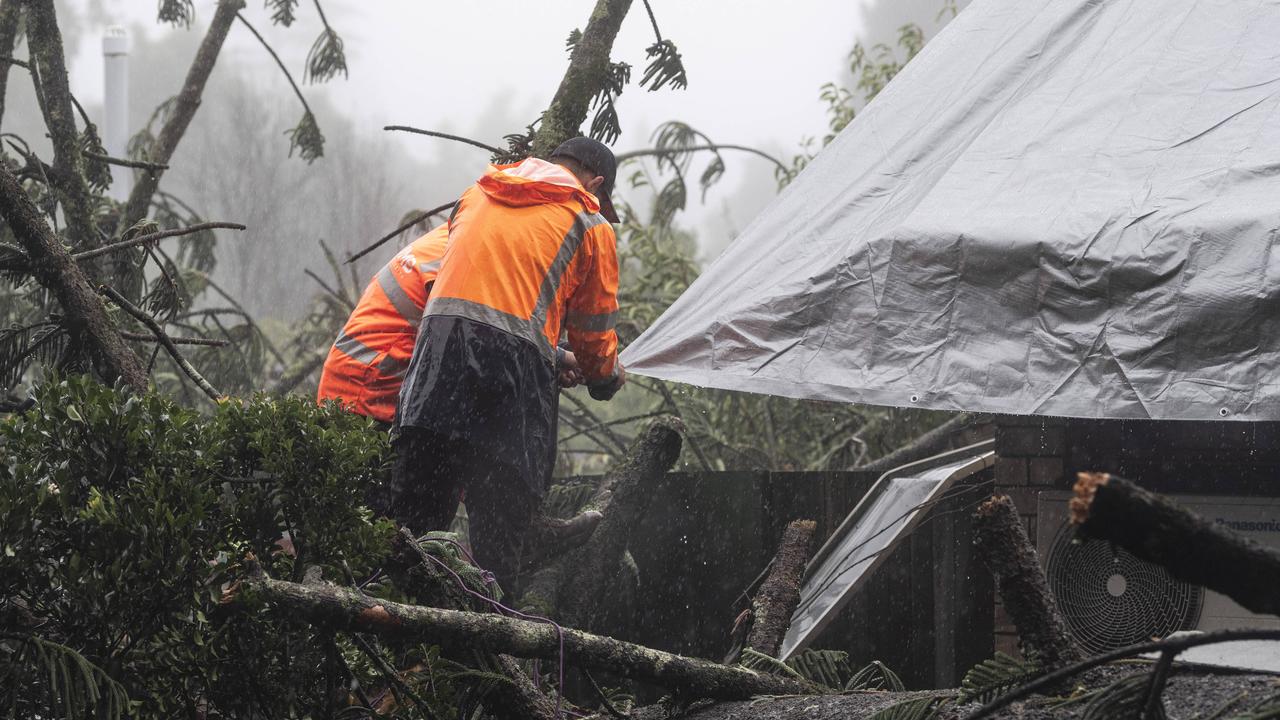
(479, 69)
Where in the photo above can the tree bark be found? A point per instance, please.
(184, 110)
(1191, 548)
(53, 268)
(1006, 550)
(580, 586)
(780, 594)
(68, 167)
(587, 73)
(9, 15)
(458, 631)
(520, 700)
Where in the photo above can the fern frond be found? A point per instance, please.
(992, 678)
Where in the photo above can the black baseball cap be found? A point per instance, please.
(594, 156)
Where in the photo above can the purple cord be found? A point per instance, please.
(503, 609)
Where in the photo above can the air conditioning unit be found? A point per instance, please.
(1110, 598)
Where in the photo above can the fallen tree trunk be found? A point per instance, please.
(1191, 548)
(780, 594)
(458, 631)
(1006, 550)
(579, 587)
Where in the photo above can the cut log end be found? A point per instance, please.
(1086, 487)
(780, 594)
(991, 505)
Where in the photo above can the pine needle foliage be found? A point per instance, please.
(828, 668)
(283, 12)
(1124, 698)
(665, 67)
(1266, 709)
(327, 58)
(875, 675)
(177, 12)
(306, 138)
(925, 708)
(76, 688)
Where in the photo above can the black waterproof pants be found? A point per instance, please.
(429, 473)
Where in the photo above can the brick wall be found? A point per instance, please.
(1030, 457)
(1034, 454)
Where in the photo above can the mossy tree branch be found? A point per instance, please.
(53, 268)
(48, 55)
(9, 15)
(184, 110)
(588, 72)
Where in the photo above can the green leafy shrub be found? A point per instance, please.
(121, 520)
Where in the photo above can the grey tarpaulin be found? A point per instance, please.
(1060, 207)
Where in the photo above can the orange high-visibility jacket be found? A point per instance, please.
(367, 363)
(530, 254)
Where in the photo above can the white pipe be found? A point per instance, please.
(115, 104)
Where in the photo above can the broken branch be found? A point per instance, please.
(164, 340)
(52, 267)
(380, 241)
(136, 164)
(207, 342)
(153, 237)
(1192, 549)
(1171, 646)
(1006, 550)
(459, 631)
(446, 136)
(930, 443)
(713, 147)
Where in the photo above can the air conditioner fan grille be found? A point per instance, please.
(1110, 599)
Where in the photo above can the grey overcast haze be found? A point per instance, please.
(480, 69)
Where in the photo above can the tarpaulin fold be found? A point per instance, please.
(1060, 207)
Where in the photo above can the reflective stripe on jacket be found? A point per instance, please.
(530, 254)
(367, 363)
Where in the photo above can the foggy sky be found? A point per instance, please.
(480, 69)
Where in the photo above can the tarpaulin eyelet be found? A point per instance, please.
(1224, 412)
(915, 398)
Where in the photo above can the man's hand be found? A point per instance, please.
(568, 374)
(606, 390)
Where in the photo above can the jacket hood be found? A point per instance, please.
(534, 181)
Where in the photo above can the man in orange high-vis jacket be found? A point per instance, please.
(530, 254)
(367, 363)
